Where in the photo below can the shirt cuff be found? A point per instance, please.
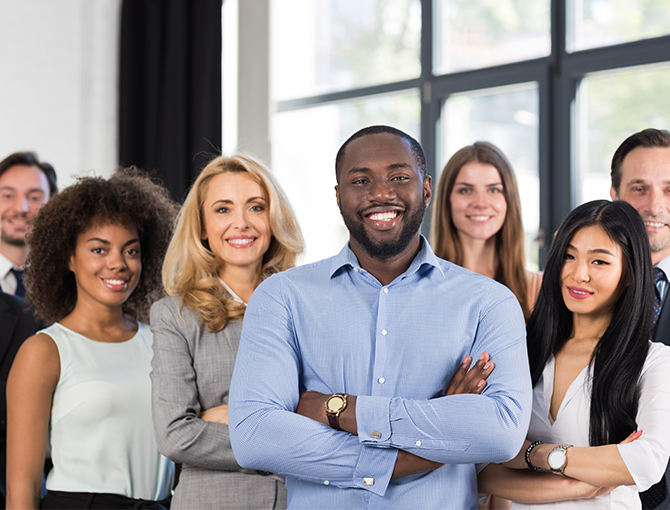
(374, 469)
(373, 418)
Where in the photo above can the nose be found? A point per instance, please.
(116, 260)
(240, 220)
(25, 207)
(580, 272)
(479, 200)
(381, 191)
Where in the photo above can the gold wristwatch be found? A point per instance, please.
(334, 406)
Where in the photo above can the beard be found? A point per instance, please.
(379, 249)
(12, 241)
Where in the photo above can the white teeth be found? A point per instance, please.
(384, 216)
(479, 218)
(580, 292)
(654, 224)
(247, 240)
(115, 282)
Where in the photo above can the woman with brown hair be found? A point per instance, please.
(235, 229)
(477, 220)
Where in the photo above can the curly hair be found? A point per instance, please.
(127, 197)
(191, 269)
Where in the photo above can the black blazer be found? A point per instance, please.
(663, 326)
(16, 324)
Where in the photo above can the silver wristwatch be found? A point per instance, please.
(558, 458)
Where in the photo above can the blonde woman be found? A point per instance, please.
(477, 220)
(235, 229)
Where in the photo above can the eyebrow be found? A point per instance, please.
(107, 243)
(642, 181)
(228, 201)
(13, 188)
(472, 185)
(365, 169)
(595, 250)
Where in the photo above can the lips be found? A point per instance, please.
(241, 242)
(654, 224)
(579, 293)
(116, 284)
(385, 219)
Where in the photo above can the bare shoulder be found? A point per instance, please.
(38, 358)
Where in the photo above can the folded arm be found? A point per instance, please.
(181, 432)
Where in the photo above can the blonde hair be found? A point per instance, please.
(191, 269)
(509, 239)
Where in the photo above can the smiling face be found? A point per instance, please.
(591, 272)
(645, 184)
(382, 195)
(478, 206)
(236, 218)
(23, 190)
(107, 263)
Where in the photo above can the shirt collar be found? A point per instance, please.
(665, 266)
(5, 266)
(426, 256)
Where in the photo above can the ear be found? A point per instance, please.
(613, 194)
(69, 262)
(427, 189)
(337, 195)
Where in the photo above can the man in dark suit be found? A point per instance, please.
(641, 177)
(16, 324)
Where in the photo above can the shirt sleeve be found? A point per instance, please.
(180, 433)
(265, 431)
(463, 429)
(647, 457)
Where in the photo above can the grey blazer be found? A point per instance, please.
(192, 368)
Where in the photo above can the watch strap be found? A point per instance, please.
(334, 421)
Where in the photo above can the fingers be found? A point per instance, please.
(472, 381)
(632, 437)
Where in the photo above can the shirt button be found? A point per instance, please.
(356, 269)
(368, 480)
(386, 290)
(381, 380)
(418, 443)
(384, 332)
(326, 482)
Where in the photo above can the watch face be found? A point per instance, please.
(556, 459)
(334, 404)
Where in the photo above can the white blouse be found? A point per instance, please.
(645, 458)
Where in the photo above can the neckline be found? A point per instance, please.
(98, 342)
(232, 292)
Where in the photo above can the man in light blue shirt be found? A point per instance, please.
(342, 367)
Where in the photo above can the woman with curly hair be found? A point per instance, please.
(83, 384)
(235, 229)
(477, 220)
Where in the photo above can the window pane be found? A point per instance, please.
(508, 118)
(304, 146)
(595, 23)
(323, 46)
(472, 34)
(610, 107)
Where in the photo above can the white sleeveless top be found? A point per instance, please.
(102, 437)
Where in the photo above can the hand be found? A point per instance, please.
(471, 381)
(519, 462)
(588, 491)
(218, 414)
(632, 437)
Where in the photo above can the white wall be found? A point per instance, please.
(59, 82)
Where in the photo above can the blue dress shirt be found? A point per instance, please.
(332, 327)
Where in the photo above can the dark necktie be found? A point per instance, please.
(653, 497)
(20, 289)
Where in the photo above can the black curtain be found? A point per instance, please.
(170, 88)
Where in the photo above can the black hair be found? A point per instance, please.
(415, 146)
(646, 138)
(30, 159)
(619, 356)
